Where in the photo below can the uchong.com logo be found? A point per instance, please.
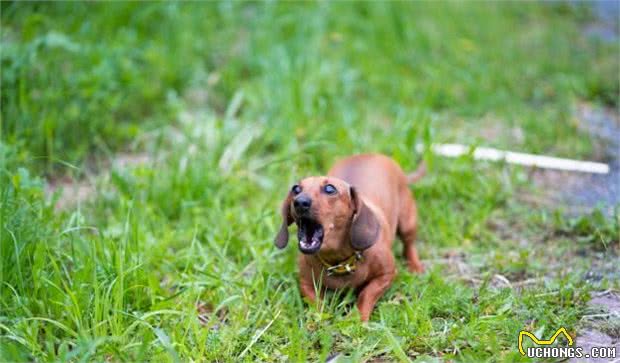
(543, 348)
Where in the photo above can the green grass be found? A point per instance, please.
(173, 260)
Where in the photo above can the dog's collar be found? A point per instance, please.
(345, 267)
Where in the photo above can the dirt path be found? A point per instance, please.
(604, 126)
(581, 192)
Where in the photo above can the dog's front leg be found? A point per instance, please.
(371, 293)
(307, 290)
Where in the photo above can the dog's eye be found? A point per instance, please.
(296, 189)
(330, 189)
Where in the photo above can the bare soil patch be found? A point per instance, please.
(76, 190)
(581, 192)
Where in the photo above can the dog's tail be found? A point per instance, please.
(417, 174)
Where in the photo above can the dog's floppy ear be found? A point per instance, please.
(282, 238)
(365, 226)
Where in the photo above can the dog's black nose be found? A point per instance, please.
(302, 203)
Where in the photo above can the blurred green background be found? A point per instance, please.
(79, 77)
(231, 102)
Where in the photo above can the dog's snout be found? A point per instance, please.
(302, 203)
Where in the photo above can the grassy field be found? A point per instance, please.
(228, 104)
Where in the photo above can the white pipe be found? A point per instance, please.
(539, 161)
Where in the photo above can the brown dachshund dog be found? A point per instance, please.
(346, 223)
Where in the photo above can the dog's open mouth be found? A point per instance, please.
(310, 234)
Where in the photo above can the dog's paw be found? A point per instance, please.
(417, 268)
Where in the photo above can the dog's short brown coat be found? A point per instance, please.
(372, 205)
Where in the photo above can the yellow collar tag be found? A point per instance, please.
(345, 267)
